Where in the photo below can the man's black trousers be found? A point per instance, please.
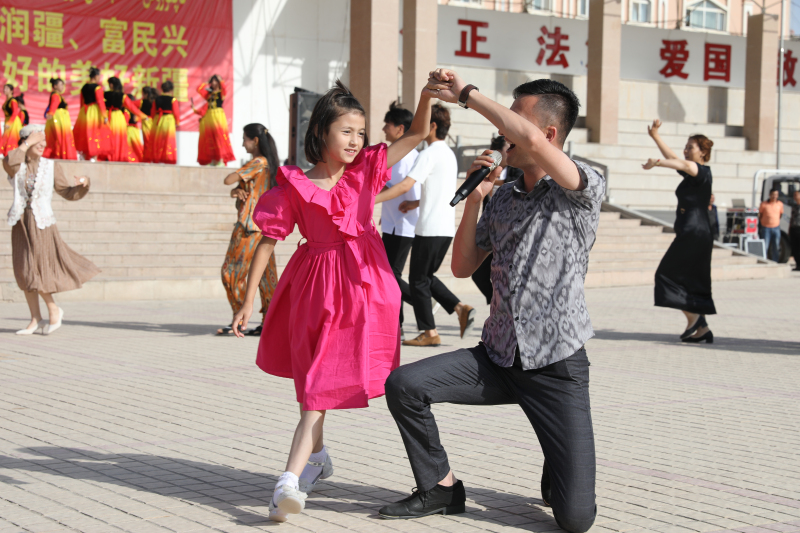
(555, 399)
(397, 248)
(427, 254)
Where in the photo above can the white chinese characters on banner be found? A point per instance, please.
(519, 41)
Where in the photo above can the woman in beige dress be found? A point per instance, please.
(43, 263)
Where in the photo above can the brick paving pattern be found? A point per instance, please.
(134, 418)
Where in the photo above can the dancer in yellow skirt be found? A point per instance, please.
(60, 143)
(117, 102)
(148, 107)
(168, 118)
(253, 179)
(135, 146)
(14, 116)
(91, 131)
(214, 144)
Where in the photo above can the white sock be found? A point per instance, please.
(311, 472)
(287, 478)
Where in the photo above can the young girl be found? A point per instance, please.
(333, 323)
(91, 127)
(252, 180)
(60, 143)
(214, 143)
(168, 118)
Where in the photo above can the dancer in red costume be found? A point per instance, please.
(116, 102)
(148, 106)
(168, 115)
(60, 143)
(15, 116)
(333, 324)
(134, 133)
(92, 136)
(214, 145)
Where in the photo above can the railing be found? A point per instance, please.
(594, 164)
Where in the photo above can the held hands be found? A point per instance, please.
(487, 184)
(653, 130)
(445, 85)
(241, 319)
(239, 194)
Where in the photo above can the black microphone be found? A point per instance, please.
(475, 179)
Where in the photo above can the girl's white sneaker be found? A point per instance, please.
(290, 500)
(327, 471)
(275, 514)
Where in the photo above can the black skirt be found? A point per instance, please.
(683, 279)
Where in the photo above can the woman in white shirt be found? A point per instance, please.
(43, 263)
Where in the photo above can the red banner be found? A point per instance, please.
(142, 42)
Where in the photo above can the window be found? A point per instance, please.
(583, 8)
(532, 6)
(640, 11)
(706, 15)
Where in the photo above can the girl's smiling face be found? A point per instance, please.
(345, 137)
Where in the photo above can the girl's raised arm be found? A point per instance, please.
(420, 128)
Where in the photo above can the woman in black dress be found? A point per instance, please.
(683, 279)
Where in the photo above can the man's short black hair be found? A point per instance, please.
(497, 143)
(556, 101)
(441, 117)
(397, 116)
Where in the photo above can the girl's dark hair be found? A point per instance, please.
(9, 86)
(55, 81)
(441, 117)
(115, 84)
(21, 98)
(149, 93)
(497, 143)
(397, 116)
(266, 145)
(214, 77)
(335, 103)
(94, 71)
(167, 86)
(705, 144)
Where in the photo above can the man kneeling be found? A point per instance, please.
(540, 230)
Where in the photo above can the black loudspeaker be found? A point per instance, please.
(302, 103)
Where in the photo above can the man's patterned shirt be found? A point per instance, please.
(540, 243)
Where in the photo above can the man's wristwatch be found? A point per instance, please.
(462, 99)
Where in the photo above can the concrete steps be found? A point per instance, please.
(167, 240)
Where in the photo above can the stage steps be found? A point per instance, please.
(167, 240)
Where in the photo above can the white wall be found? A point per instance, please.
(279, 45)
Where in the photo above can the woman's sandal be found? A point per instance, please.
(698, 324)
(228, 330)
(255, 332)
(708, 337)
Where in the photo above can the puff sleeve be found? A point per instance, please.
(273, 213)
(380, 175)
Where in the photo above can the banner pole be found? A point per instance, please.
(780, 86)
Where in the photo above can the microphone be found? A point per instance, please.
(475, 179)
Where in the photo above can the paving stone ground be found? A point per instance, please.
(134, 418)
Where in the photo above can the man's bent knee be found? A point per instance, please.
(397, 385)
(575, 520)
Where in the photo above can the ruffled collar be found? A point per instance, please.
(340, 201)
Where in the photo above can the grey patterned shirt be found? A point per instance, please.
(541, 242)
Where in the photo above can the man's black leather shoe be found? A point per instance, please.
(546, 485)
(424, 503)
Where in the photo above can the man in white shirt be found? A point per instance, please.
(397, 226)
(436, 170)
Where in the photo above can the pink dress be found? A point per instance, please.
(333, 324)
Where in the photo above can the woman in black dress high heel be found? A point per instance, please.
(683, 279)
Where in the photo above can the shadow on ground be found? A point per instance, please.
(728, 344)
(228, 489)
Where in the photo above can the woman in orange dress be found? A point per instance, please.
(91, 133)
(214, 145)
(14, 116)
(253, 180)
(135, 146)
(60, 143)
(167, 113)
(117, 102)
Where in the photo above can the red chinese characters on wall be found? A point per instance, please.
(717, 63)
(789, 64)
(676, 55)
(470, 39)
(555, 46)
